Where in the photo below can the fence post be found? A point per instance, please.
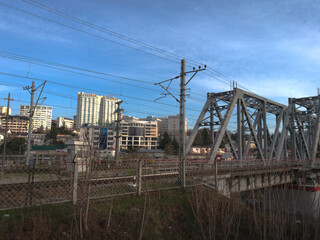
(75, 183)
(216, 174)
(139, 177)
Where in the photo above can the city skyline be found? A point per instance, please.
(275, 62)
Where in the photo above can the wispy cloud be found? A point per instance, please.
(34, 29)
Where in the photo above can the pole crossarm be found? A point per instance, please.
(194, 71)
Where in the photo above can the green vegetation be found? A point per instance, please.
(52, 134)
(14, 145)
(169, 145)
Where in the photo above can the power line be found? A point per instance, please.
(85, 32)
(113, 33)
(88, 89)
(79, 30)
(123, 37)
(48, 64)
(51, 64)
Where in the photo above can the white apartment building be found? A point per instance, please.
(65, 122)
(138, 134)
(93, 109)
(42, 116)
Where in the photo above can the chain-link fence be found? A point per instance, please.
(34, 184)
(52, 181)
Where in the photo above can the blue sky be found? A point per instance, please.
(270, 47)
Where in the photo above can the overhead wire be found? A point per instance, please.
(120, 36)
(82, 31)
(70, 27)
(53, 65)
(89, 89)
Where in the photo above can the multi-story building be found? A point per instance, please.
(174, 126)
(170, 124)
(101, 137)
(42, 116)
(16, 124)
(136, 134)
(93, 109)
(163, 125)
(3, 110)
(65, 122)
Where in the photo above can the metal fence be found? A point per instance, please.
(55, 182)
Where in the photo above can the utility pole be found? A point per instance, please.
(182, 113)
(6, 132)
(118, 129)
(30, 123)
(32, 110)
(182, 116)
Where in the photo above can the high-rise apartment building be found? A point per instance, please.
(42, 116)
(93, 109)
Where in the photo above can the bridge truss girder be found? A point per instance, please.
(302, 121)
(251, 112)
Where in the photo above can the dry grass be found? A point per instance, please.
(198, 213)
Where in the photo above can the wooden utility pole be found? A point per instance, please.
(6, 132)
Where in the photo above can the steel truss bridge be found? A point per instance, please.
(299, 120)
